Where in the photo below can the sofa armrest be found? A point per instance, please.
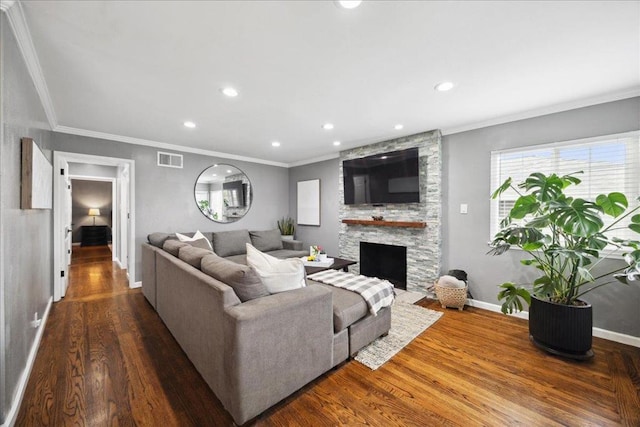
(275, 345)
(294, 245)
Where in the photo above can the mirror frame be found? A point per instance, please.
(247, 193)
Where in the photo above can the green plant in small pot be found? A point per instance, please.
(566, 239)
(287, 227)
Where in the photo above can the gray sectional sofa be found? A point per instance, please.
(253, 349)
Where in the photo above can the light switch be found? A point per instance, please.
(464, 208)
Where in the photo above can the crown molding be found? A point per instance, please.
(163, 145)
(18, 23)
(314, 160)
(558, 108)
(6, 5)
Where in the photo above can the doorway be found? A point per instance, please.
(123, 218)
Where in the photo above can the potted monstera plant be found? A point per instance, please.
(566, 239)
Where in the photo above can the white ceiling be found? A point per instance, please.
(139, 69)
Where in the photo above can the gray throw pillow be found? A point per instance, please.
(158, 239)
(265, 241)
(192, 255)
(173, 246)
(243, 279)
(227, 243)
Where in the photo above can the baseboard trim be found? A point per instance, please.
(597, 332)
(137, 285)
(24, 378)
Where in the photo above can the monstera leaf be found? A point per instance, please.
(635, 223)
(580, 218)
(613, 204)
(524, 206)
(544, 188)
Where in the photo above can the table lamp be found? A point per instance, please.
(94, 212)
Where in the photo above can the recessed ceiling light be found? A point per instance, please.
(189, 125)
(336, 143)
(215, 174)
(444, 86)
(230, 92)
(327, 126)
(398, 126)
(348, 4)
(275, 144)
(228, 170)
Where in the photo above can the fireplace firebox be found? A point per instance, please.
(385, 262)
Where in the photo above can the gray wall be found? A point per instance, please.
(164, 199)
(467, 180)
(326, 235)
(25, 235)
(85, 195)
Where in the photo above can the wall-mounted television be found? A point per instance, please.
(382, 178)
(234, 194)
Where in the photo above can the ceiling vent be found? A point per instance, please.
(169, 160)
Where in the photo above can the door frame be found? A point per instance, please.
(59, 157)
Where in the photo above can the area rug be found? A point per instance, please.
(407, 322)
(408, 297)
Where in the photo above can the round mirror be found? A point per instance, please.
(223, 193)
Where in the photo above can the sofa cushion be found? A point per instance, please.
(348, 307)
(173, 246)
(193, 255)
(278, 275)
(243, 279)
(198, 240)
(158, 239)
(240, 259)
(265, 241)
(227, 243)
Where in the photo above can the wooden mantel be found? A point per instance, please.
(384, 223)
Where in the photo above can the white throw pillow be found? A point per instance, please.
(197, 236)
(278, 275)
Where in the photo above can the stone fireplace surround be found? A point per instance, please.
(424, 246)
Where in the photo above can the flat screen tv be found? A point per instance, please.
(382, 178)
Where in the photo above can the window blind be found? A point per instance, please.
(609, 163)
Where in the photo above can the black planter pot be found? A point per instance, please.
(563, 330)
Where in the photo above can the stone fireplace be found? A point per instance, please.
(423, 243)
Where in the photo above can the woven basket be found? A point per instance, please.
(452, 297)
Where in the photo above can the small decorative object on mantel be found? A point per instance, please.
(377, 217)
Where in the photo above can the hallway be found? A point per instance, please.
(107, 359)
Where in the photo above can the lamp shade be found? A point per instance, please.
(94, 212)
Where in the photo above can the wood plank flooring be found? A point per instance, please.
(107, 359)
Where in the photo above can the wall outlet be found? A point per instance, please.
(464, 208)
(35, 323)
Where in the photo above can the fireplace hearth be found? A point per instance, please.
(385, 262)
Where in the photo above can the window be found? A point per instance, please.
(609, 163)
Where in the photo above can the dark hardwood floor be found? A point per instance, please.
(107, 359)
